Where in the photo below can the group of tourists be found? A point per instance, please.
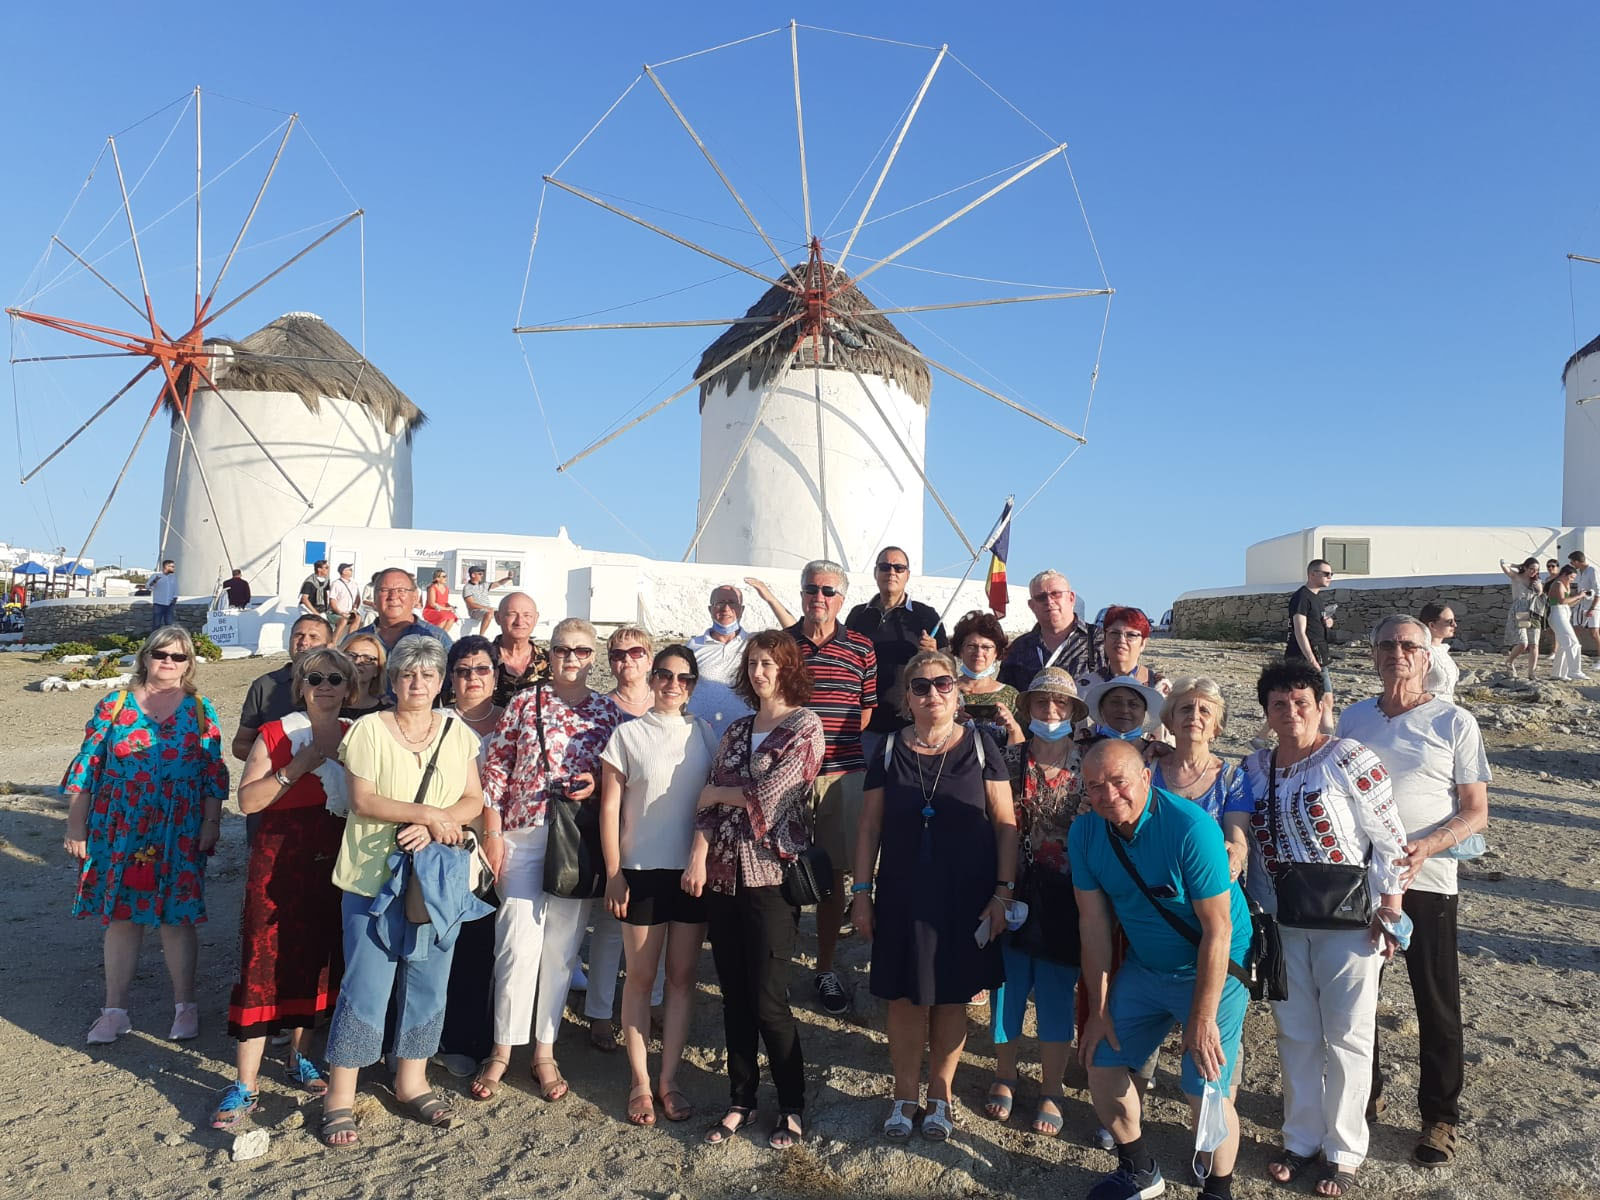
(1563, 602)
(438, 826)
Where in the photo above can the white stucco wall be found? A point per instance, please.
(770, 515)
(354, 471)
(1403, 551)
(1580, 464)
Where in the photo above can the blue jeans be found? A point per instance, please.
(163, 614)
(371, 974)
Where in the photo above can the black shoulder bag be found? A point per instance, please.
(808, 876)
(574, 867)
(1261, 985)
(1316, 895)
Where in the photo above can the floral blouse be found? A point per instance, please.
(750, 845)
(516, 767)
(1046, 805)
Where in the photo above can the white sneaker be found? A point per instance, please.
(111, 1024)
(185, 1022)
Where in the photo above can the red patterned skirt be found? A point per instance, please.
(291, 953)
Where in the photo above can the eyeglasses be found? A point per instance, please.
(364, 660)
(581, 653)
(922, 685)
(895, 568)
(1056, 597)
(662, 675)
(317, 679)
(1125, 635)
(1390, 646)
(169, 656)
(399, 591)
(811, 589)
(627, 652)
(469, 672)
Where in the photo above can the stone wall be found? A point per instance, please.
(1480, 613)
(83, 621)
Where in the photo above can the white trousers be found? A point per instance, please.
(1326, 1030)
(605, 959)
(536, 938)
(1569, 654)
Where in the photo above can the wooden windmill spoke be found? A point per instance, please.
(709, 373)
(964, 210)
(889, 162)
(916, 466)
(715, 166)
(666, 233)
(249, 216)
(712, 321)
(38, 358)
(800, 127)
(98, 413)
(228, 404)
(1076, 294)
(90, 268)
(133, 233)
(271, 275)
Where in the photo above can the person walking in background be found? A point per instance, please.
(1058, 638)
(1308, 631)
(1434, 754)
(314, 591)
(1525, 619)
(1560, 599)
(898, 627)
(844, 691)
(164, 596)
(237, 589)
(1586, 617)
(1443, 673)
(145, 796)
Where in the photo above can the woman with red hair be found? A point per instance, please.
(1126, 632)
(752, 821)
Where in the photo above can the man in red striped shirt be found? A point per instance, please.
(844, 691)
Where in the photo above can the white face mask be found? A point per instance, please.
(1050, 731)
(1211, 1130)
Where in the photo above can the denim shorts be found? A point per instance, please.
(1145, 1004)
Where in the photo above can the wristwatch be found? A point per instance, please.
(1010, 885)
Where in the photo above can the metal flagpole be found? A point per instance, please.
(1000, 527)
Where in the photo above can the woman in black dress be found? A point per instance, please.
(939, 824)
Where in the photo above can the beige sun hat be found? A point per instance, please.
(1053, 681)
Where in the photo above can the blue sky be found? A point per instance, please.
(1337, 239)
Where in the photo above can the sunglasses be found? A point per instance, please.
(922, 685)
(812, 589)
(662, 675)
(628, 652)
(317, 678)
(896, 568)
(1048, 597)
(1390, 646)
(169, 656)
(469, 672)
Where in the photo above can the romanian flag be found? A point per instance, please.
(1000, 543)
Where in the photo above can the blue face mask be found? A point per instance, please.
(1133, 735)
(968, 673)
(719, 627)
(1050, 731)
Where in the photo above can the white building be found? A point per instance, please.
(337, 429)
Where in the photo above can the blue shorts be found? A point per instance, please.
(1144, 1006)
(1054, 987)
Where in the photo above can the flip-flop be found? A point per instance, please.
(641, 1106)
(998, 1107)
(722, 1132)
(483, 1089)
(1052, 1122)
(431, 1109)
(336, 1121)
(675, 1105)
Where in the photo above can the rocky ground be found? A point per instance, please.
(129, 1119)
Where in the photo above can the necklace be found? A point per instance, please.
(928, 793)
(484, 710)
(412, 741)
(934, 746)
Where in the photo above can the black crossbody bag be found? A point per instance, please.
(1260, 984)
(1317, 895)
(574, 867)
(808, 876)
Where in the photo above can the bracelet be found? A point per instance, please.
(282, 778)
(860, 889)
(492, 833)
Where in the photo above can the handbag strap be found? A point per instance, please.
(433, 760)
(1182, 927)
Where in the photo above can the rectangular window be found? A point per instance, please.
(1348, 556)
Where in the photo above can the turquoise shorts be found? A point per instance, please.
(1145, 1004)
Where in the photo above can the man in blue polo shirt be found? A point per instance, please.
(1178, 852)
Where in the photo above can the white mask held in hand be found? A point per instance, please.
(1211, 1130)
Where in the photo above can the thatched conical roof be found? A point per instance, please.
(303, 354)
(1579, 355)
(866, 343)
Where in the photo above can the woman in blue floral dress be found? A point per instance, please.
(146, 793)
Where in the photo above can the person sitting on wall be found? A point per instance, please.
(476, 597)
(395, 592)
(523, 662)
(238, 590)
(314, 591)
(344, 602)
(438, 609)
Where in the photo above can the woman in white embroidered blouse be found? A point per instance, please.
(1321, 799)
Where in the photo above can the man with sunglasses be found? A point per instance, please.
(899, 627)
(844, 691)
(1308, 630)
(719, 651)
(1058, 638)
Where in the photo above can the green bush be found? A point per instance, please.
(206, 648)
(62, 649)
(119, 642)
(106, 667)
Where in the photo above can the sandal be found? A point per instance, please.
(1336, 1180)
(336, 1122)
(556, 1088)
(483, 1088)
(641, 1107)
(675, 1105)
(899, 1125)
(431, 1109)
(1047, 1124)
(998, 1107)
(1289, 1166)
(237, 1103)
(1437, 1146)
(936, 1124)
(722, 1132)
(304, 1072)
(603, 1035)
(787, 1132)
